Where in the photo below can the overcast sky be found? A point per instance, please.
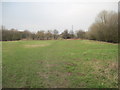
(50, 15)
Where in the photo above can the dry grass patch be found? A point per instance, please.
(107, 72)
(34, 45)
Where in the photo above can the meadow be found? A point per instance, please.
(59, 64)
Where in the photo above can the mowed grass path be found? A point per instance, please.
(59, 64)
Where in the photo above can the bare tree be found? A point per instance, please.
(65, 34)
(40, 35)
(80, 34)
(105, 27)
(71, 34)
(55, 34)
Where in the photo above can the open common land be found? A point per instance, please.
(59, 64)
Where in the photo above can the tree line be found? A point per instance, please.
(13, 34)
(105, 28)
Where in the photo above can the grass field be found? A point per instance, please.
(59, 64)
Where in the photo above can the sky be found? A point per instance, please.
(51, 14)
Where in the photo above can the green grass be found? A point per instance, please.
(59, 64)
